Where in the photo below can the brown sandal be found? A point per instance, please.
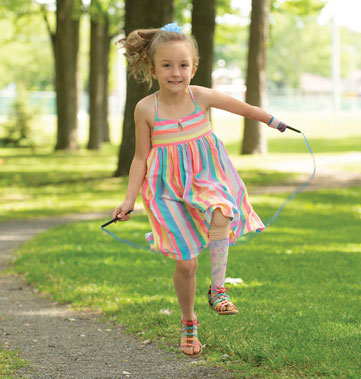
(189, 336)
(219, 301)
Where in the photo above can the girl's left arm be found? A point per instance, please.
(215, 99)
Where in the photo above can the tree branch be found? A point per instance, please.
(47, 23)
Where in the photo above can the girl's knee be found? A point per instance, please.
(188, 267)
(219, 228)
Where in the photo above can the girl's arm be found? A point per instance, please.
(212, 98)
(138, 167)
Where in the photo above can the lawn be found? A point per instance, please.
(299, 296)
(46, 183)
(41, 182)
(299, 299)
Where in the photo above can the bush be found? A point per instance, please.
(17, 129)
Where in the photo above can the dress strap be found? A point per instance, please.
(192, 96)
(156, 104)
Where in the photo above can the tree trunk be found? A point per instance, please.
(66, 56)
(203, 26)
(105, 107)
(96, 81)
(139, 14)
(254, 139)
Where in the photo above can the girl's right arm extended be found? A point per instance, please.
(138, 167)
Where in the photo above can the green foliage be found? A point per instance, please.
(112, 10)
(224, 7)
(18, 7)
(287, 60)
(26, 54)
(298, 7)
(299, 308)
(182, 11)
(17, 129)
(231, 45)
(292, 49)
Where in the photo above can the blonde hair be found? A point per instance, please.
(141, 45)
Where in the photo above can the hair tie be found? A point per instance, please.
(173, 27)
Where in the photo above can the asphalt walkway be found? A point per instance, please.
(62, 343)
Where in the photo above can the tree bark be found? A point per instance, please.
(66, 46)
(203, 26)
(254, 139)
(105, 107)
(96, 81)
(140, 14)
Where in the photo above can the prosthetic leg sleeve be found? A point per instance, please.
(218, 247)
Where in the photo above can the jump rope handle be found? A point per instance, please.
(294, 129)
(115, 219)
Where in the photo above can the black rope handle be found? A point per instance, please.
(115, 219)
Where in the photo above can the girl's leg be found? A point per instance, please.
(185, 286)
(218, 248)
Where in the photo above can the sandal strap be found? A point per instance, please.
(189, 329)
(189, 335)
(190, 322)
(218, 298)
(194, 341)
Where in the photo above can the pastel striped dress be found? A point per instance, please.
(189, 175)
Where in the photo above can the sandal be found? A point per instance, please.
(189, 336)
(219, 301)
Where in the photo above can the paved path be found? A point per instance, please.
(62, 343)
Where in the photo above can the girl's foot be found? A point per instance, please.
(189, 343)
(220, 302)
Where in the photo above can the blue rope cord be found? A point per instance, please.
(299, 189)
(130, 243)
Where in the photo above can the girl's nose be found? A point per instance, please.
(175, 71)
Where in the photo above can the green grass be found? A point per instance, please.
(45, 183)
(40, 182)
(9, 361)
(48, 183)
(299, 300)
(319, 145)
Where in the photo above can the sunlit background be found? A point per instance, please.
(313, 65)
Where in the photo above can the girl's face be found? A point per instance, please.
(173, 66)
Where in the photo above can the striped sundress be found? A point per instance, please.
(189, 175)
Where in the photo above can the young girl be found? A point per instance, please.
(192, 193)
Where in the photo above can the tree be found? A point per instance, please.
(141, 14)
(254, 140)
(65, 43)
(97, 75)
(105, 16)
(203, 25)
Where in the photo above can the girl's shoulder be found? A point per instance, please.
(145, 110)
(203, 96)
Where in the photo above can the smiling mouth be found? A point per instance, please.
(175, 82)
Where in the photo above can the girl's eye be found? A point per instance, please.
(185, 65)
(166, 65)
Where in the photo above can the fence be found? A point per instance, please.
(45, 103)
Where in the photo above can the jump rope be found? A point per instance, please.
(267, 223)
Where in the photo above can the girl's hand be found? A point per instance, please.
(277, 124)
(121, 211)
